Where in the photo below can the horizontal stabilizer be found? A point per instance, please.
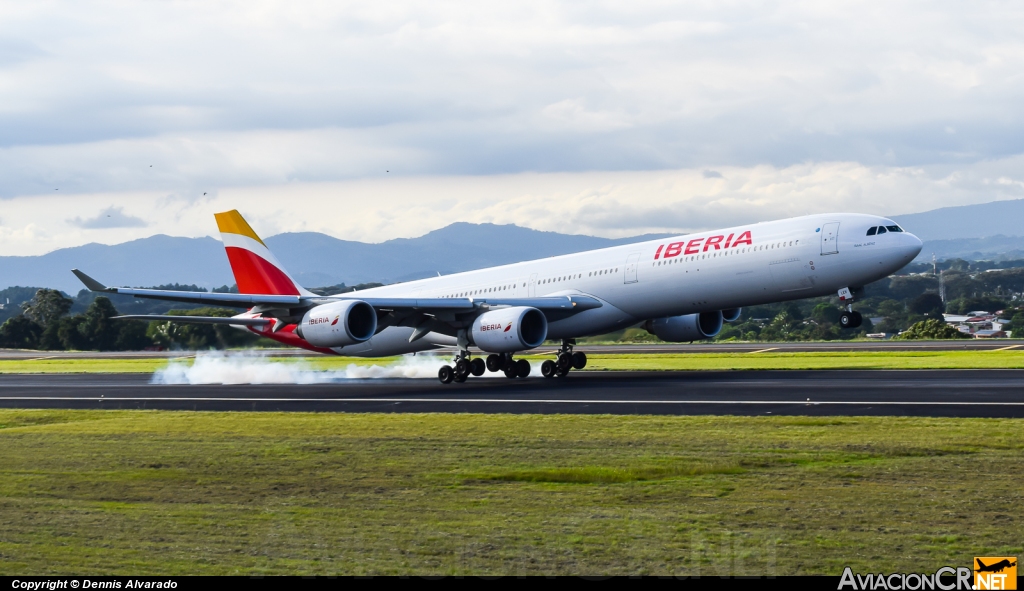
(198, 319)
(89, 282)
(231, 300)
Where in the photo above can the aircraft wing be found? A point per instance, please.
(555, 307)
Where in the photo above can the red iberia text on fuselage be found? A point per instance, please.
(698, 245)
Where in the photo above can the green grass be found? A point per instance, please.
(595, 474)
(811, 360)
(597, 362)
(143, 492)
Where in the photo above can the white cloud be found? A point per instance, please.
(111, 217)
(603, 118)
(612, 204)
(242, 93)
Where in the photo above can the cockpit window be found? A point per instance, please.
(871, 231)
(881, 229)
(894, 228)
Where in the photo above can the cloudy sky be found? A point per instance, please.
(375, 120)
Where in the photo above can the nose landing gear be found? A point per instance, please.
(849, 318)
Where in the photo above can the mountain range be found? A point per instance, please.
(312, 258)
(983, 220)
(985, 231)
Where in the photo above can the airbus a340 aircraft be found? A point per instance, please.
(680, 289)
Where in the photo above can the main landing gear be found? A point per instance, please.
(566, 360)
(849, 318)
(464, 366)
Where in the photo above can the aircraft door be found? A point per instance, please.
(830, 238)
(533, 285)
(632, 262)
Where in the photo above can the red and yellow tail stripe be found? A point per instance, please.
(256, 269)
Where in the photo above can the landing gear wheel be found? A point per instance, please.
(477, 367)
(460, 377)
(846, 320)
(548, 369)
(495, 362)
(523, 368)
(511, 372)
(858, 319)
(445, 374)
(564, 363)
(462, 367)
(579, 360)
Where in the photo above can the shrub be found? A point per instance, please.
(932, 328)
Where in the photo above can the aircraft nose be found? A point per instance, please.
(912, 245)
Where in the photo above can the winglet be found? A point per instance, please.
(89, 282)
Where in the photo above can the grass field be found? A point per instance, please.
(678, 361)
(94, 492)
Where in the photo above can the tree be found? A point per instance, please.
(47, 307)
(933, 328)
(958, 265)
(99, 330)
(826, 313)
(20, 333)
(911, 286)
(131, 336)
(71, 334)
(973, 304)
(928, 304)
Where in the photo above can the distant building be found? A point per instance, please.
(979, 324)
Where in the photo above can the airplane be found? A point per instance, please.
(679, 289)
(994, 568)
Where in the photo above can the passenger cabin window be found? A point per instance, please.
(872, 230)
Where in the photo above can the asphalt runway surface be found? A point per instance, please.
(938, 393)
(638, 349)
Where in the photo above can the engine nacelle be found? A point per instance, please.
(338, 324)
(732, 314)
(508, 330)
(691, 327)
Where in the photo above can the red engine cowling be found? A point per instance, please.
(691, 327)
(508, 330)
(338, 324)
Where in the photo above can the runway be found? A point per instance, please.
(938, 393)
(613, 349)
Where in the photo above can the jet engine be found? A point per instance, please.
(338, 324)
(691, 327)
(507, 330)
(732, 314)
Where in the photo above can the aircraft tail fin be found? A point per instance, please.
(256, 269)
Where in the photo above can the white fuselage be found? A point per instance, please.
(789, 259)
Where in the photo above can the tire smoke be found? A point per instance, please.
(253, 367)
